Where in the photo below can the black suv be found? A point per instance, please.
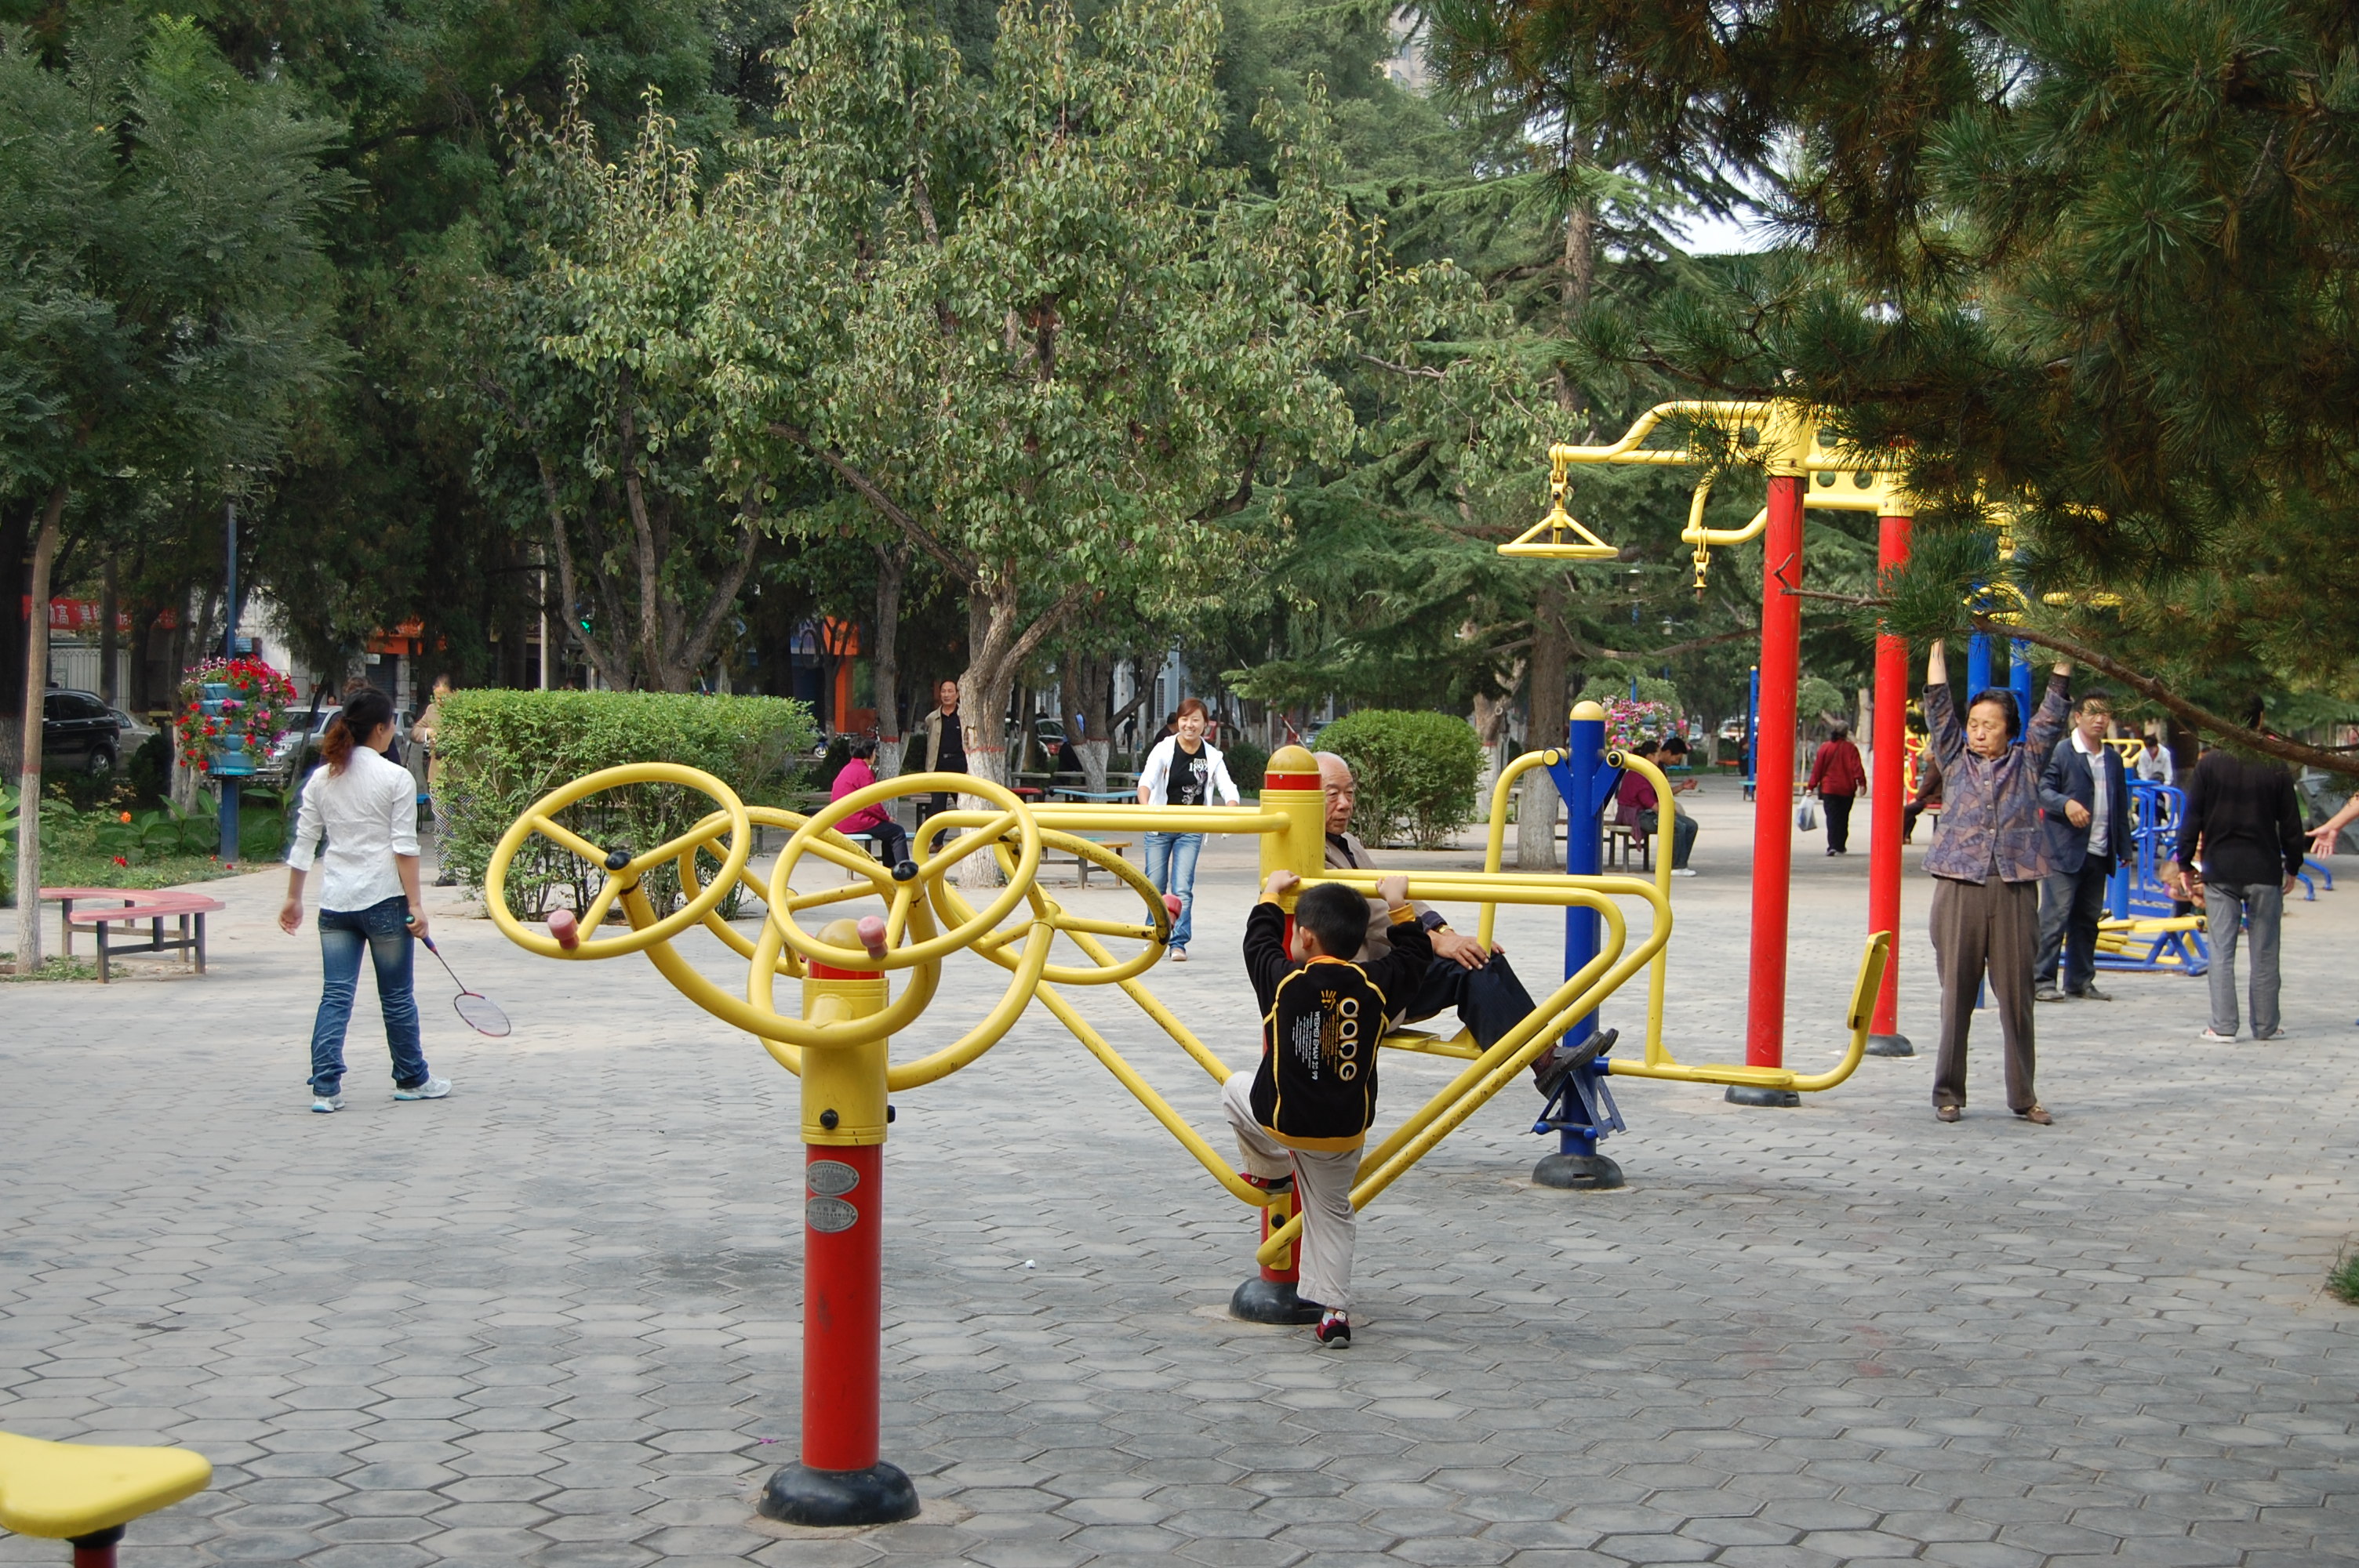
(77, 730)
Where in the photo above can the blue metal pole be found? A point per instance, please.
(1752, 721)
(1586, 784)
(1978, 665)
(2019, 679)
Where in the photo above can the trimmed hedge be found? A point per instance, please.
(498, 752)
(1417, 773)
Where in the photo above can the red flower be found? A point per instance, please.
(121, 861)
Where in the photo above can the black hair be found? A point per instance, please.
(363, 711)
(2006, 700)
(1839, 732)
(1336, 916)
(2095, 694)
(2249, 710)
(1676, 746)
(864, 747)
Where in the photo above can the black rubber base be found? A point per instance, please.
(1272, 1300)
(800, 1495)
(1775, 1099)
(1890, 1045)
(1577, 1173)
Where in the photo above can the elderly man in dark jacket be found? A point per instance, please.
(2086, 793)
(1986, 862)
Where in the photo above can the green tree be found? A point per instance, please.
(1026, 318)
(604, 380)
(159, 216)
(2080, 260)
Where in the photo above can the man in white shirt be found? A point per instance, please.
(2085, 794)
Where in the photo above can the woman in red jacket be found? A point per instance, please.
(1837, 774)
(890, 838)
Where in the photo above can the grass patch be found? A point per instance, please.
(2342, 1280)
(73, 869)
(59, 968)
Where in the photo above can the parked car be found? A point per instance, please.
(293, 753)
(77, 730)
(131, 732)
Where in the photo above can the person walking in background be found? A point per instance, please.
(365, 807)
(891, 840)
(1183, 769)
(1838, 775)
(2243, 829)
(424, 733)
(1986, 861)
(945, 741)
(2086, 795)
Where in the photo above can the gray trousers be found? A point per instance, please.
(1323, 1190)
(2225, 906)
(1986, 927)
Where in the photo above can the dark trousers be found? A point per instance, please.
(1684, 834)
(1838, 810)
(1489, 1000)
(1987, 927)
(891, 841)
(2070, 905)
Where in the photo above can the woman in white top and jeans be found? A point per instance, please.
(366, 808)
(1182, 771)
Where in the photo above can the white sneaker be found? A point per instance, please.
(1179, 955)
(2216, 1037)
(1681, 871)
(432, 1088)
(323, 1104)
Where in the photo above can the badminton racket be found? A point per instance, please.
(476, 1011)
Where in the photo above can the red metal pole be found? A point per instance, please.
(843, 1288)
(1885, 802)
(1773, 784)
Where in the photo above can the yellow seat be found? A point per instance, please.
(64, 1490)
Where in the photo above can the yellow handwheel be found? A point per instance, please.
(623, 868)
(998, 946)
(900, 891)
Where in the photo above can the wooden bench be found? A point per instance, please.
(154, 908)
(1627, 847)
(1082, 864)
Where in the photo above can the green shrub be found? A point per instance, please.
(2342, 1280)
(1247, 764)
(498, 752)
(1417, 773)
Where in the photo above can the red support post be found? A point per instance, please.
(843, 1306)
(1886, 804)
(1773, 785)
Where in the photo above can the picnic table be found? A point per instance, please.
(132, 907)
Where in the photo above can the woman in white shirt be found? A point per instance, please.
(1182, 770)
(366, 808)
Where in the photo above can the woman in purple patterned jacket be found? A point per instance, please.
(1986, 861)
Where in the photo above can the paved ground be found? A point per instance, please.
(553, 1320)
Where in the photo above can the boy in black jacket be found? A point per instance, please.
(1302, 1114)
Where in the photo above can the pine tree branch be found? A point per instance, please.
(2153, 690)
(2178, 707)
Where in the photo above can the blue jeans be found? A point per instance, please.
(1172, 867)
(342, 933)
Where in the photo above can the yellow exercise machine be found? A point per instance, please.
(86, 1494)
(838, 1044)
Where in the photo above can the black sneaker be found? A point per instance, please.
(1334, 1330)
